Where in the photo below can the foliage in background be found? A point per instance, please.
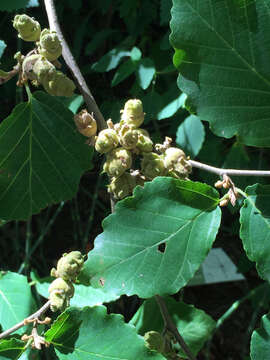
(156, 240)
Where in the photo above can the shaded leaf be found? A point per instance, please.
(110, 60)
(14, 307)
(190, 135)
(155, 240)
(11, 349)
(7, 5)
(135, 54)
(92, 334)
(42, 157)
(99, 39)
(260, 340)
(165, 11)
(124, 71)
(173, 101)
(255, 227)
(194, 325)
(145, 72)
(225, 70)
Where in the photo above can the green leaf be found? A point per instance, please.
(110, 60)
(7, 5)
(194, 325)
(124, 71)
(32, 3)
(152, 104)
(135, 54)
(145, 72)
(83, 296)
(179, 217)
(92, 334)
(225, 70)
(42, 157)
(11, 349)
(2, 46)
(260, 340)
(255, 227)
(16, 302)
(99, 39)
(73, 102)
(190, 135)
(173, 102)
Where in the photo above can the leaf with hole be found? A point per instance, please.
(156, 240)
(224, 66)
(90, 333)
(42, 157)
(255, 227)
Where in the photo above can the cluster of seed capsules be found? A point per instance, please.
(125, 144)
(61, 289)
(40, 64)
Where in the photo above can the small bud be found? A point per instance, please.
(118, 161)
(154, 341)
(144, 144)
(28, 66)
(152, 165)
(49, 45)
(176, 163)
(224, 202)
(27, 27)
(85, 123)
(133, 113)
(61, 292)
(128, 137)
(106, 141)
(59, 85)
(69, 266)
(122, 186)
(219, 184)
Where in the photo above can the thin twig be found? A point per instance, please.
(169, 324)
(220, 171)
(71, 63)
(37, 314)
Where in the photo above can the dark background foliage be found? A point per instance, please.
(118, 45)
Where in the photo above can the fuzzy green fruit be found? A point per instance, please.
(49, 45)
(152, 165)
(59, 85)
(133, 114)
(27, 27)
(117, 162)
(61, 292)
(69, 266)
(106, 141)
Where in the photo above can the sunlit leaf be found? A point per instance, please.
(255, 227)
(156, 240)
(16, 302)
(92, 334)
(225, 69)
(190, 135)
(42, 157)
